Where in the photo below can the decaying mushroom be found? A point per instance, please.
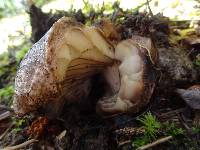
(59, 67)
(191, 96)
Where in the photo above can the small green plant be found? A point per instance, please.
(140, 141)
(172, 129)
(20, 54)
(151, 125)
(197, 63)
(6, 94)
(197, 60)
(4, 59)
(152, 128)
(195, 130)
(18, 123)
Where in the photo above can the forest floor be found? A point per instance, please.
(167, 123)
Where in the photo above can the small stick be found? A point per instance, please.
(187, 54)
(3, 134)
(124, 142)
(171, 112)
(20, 145)
(5, 115)
(5, 108)
(159, 141)
(61, 135)
(151, 13)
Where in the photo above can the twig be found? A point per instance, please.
(124, 142)
(3, 107)
(5, 115)
(172, 112)
(151, 13)
(182, 120)
(3, 134)
(192, 50)
(61, 135)
(140, 6)
(20, 145)
(159, 141)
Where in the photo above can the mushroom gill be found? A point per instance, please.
(59, 68)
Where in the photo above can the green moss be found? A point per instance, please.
(140, 141)
(20, 54)
(151, 125)
(197, 62)
(6, 95)
(4, 59)
(152, 129)
(172, 129)
(18, 123)
(196, 130)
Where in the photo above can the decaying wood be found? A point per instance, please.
(6, 131)
(61, 135)
(22, 145)
(124, 142)
(176, 111)
(177, 66)
(5, 115)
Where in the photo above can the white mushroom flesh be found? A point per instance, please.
(131, 78)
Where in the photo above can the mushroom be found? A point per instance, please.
(136, 79)
(59, 68)
(191, 96)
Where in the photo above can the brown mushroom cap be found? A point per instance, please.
(59, 64)
(58, 68)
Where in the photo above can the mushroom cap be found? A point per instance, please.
(59, 67)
